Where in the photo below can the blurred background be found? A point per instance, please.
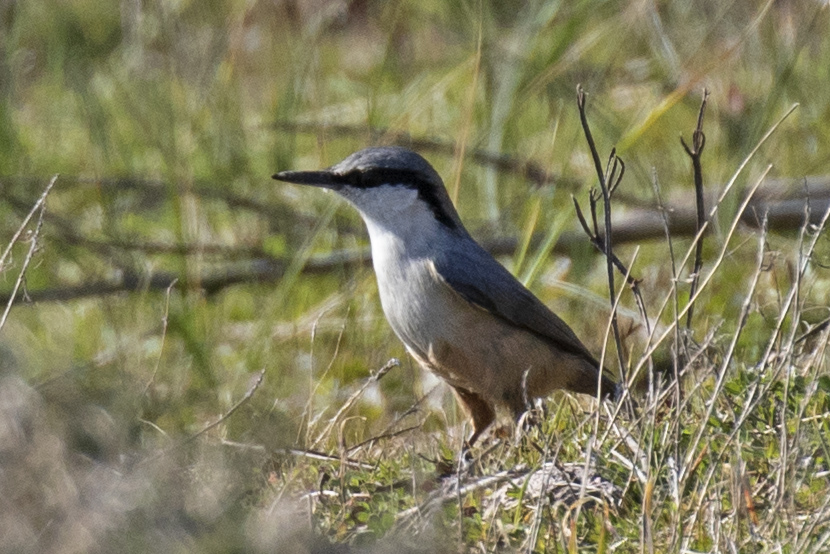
(170, 270)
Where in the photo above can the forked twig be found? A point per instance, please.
(609, 180)
(655, 340)
(597, 239)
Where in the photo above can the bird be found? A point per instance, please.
(459, 312)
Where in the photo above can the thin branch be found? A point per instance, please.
(41, 206)
(213, 425)
(695, 153)
(598, 240)
(580, 100)
(383, 436)
(677, 387)
(164, 323)
(19, 281)
(655, 341)
(614, 174)
(374, 378)
(298, 453)
(38, 204)
(230, 412)
(153, 191)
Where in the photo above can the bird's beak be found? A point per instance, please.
(324, 179)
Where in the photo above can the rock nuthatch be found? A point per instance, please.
(459, 312)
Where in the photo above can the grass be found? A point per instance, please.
(167, 272)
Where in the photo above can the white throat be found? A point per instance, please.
(399, 222)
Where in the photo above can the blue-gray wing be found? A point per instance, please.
(475, 275)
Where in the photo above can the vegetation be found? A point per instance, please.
(193, 357)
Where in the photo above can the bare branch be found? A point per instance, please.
(164, 323)
(695, 153)
(374, 378)
(610, 171)
(38, 204)
(41, 206)
(216, 423)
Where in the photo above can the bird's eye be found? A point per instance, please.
(365, 179)
(352, 179)
(385, 176)
(376, 177)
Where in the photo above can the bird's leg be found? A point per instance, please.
(478, 409)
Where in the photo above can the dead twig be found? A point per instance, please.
(223, 418)
(383, 436)
(230, 412)
(657, 338)
(41, 206)
(164, 323)
(298, 453)
(374, 378)
(695, 152)
(609, 180)
(38, 204)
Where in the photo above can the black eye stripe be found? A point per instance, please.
(375, 177)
